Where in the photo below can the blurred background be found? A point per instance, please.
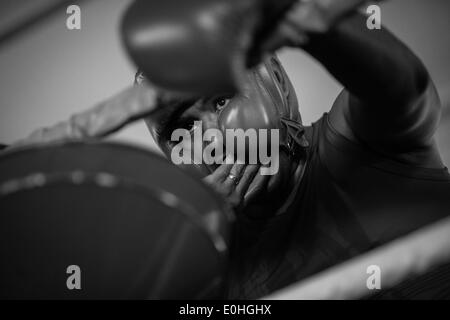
(49, 72)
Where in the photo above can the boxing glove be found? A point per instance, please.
(197, 46)
(268, 102)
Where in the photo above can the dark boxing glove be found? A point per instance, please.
(198, 46)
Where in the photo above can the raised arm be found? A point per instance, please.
(106, 117)
(389, 101)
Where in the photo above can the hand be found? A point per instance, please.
(235, 181)
(307, 17)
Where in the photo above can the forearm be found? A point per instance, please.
(105, 118)
(385, 84)
(372, 64)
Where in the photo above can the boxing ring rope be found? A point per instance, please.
(399, 260)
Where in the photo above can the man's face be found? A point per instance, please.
(213, 112)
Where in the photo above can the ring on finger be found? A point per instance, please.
(233, 178)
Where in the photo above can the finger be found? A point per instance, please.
(216, 186)
(259, 183)
(216, 177)
(220, 174)
(246, 179)
(233, 177)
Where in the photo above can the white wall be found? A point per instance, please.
(50, 73)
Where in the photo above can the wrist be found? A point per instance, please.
(320, 16)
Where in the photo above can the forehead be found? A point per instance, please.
(250, 84)
(245, 80)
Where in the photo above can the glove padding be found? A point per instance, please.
(197, 46)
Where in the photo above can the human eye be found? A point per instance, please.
(221, 102)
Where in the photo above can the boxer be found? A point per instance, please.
(362, 175)
(368, 171)
(268, 101)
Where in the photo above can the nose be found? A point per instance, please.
(209, 120)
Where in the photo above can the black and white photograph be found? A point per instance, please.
(224, 154)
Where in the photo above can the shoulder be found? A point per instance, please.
(341, 122)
